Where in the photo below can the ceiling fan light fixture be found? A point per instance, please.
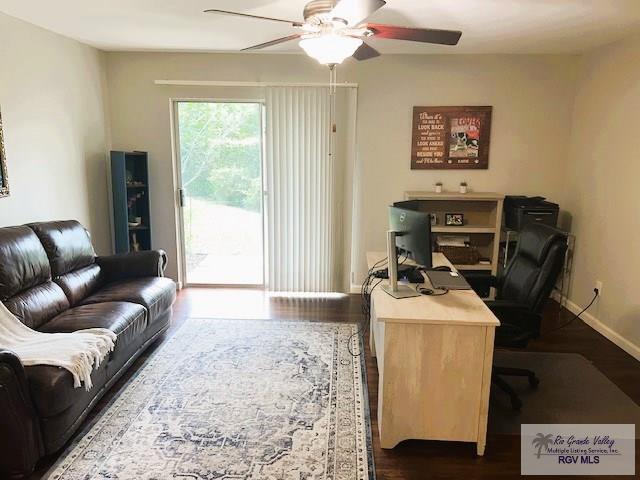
(330, 48)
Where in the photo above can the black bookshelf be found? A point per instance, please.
(130, 190)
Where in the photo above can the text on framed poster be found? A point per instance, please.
(451, 138)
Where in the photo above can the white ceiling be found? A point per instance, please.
(488, 26)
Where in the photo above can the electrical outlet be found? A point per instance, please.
(599, 287)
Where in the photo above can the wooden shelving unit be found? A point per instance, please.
(465, 229)
(483, 220)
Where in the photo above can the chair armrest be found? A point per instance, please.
(19, 425)
(516, 319)
(478, 276)
(511, 311)
(506, 306)
(149, 263)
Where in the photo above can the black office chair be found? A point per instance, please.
(522, 293)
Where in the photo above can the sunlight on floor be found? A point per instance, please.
(250, 303)
(330, 295)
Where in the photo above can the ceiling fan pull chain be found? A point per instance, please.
(333, 88)
(333, 79)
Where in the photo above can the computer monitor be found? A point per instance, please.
(409, 234)
(413, 231)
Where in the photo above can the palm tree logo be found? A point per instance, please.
(541, 441)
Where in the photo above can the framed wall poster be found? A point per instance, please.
(4, 179)
(451, 138)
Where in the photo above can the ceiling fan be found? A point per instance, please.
(336, 29)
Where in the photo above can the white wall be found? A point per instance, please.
(532, 96)
(532, 99)
(602, 193)
(52, 102)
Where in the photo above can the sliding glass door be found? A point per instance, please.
(220, 147)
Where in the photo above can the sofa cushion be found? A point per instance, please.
(36, 306)
(126, 320)
(52, 387)
(81, 283)
(157, 294)
(67, 243)
(23, 261)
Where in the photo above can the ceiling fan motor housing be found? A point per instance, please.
(316, 12)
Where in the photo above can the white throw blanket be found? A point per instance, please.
(79, 352)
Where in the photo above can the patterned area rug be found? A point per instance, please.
(236, 399)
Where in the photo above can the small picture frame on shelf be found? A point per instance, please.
(454, 219)
(434, 219)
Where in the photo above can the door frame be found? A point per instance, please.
(179, 209)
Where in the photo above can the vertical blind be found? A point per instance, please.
(300, 203)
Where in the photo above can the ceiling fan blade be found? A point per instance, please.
(365, 52)
(257, 17)
(355, 11)
(425, 35)
(273, 42)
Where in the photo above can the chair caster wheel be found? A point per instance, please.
(534, 382)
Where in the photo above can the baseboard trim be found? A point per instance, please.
(607, 332)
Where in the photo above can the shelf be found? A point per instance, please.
(454, 196)
(477, 266)
(137, 186)
(467, 229)
(140, 227)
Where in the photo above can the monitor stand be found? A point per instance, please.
(401, 291)
(393, 289)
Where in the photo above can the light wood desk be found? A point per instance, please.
(434, 356)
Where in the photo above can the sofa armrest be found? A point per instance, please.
(149, 263)
(20, 439)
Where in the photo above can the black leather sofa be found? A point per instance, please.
(52, 280)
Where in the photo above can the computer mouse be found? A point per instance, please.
(442, 268)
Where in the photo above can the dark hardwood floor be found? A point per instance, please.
(412, 459)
